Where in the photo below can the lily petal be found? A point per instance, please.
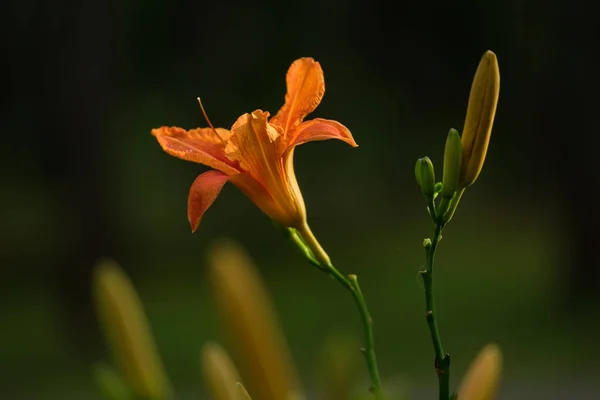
(200, 145)
(253, 146)
(203, 193)
(322, 129)
(266, 177)
(305, 89)
(274, 208)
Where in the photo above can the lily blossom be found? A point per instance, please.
(257, 153)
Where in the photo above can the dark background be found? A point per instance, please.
(81, 178)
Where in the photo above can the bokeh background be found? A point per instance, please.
(82, 178)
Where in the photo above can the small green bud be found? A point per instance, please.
(425, 176)
(426, 243)
(418, 172)
(452, 162)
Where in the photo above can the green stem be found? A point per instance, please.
(314, 246)
(431, 208)
(442, 360)
(453, 204)
(350, 283)
(369, 351)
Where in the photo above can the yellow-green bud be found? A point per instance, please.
(481, 111)
(452, 161)
(425, 176)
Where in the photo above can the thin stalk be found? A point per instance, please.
(442, 360)
(351, 283)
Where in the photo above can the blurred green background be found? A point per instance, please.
(82, 178)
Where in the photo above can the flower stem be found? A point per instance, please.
(442, 360)
(315, 247)
(351, 283)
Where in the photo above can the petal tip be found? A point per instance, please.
(194, 224)
(323, 129)
(167, 131)
(260, 114)
(308, 60)
(156, 131)
(203, 193)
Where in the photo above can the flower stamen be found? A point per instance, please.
(208, 121)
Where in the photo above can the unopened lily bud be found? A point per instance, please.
(483, 376)
(220, 374)
(481, 111)
(242, 392)
(425, 176)
(452, 160)
(249, 317)
(127, 332)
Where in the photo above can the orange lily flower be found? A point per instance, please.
(257, 153)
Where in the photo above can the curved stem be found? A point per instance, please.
(351, 283)
(442, 360)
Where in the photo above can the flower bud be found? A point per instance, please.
(220, 374)
(452, 161)
(481, 111)
(127, 332)
(426, 243)
(425, 176)
(249, 317)
(242, 392)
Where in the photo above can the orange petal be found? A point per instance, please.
(271, 184)
(284, 211)
(200, 145)
(255, 148)
(203, 193)
(305, 89)
(322, 129)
